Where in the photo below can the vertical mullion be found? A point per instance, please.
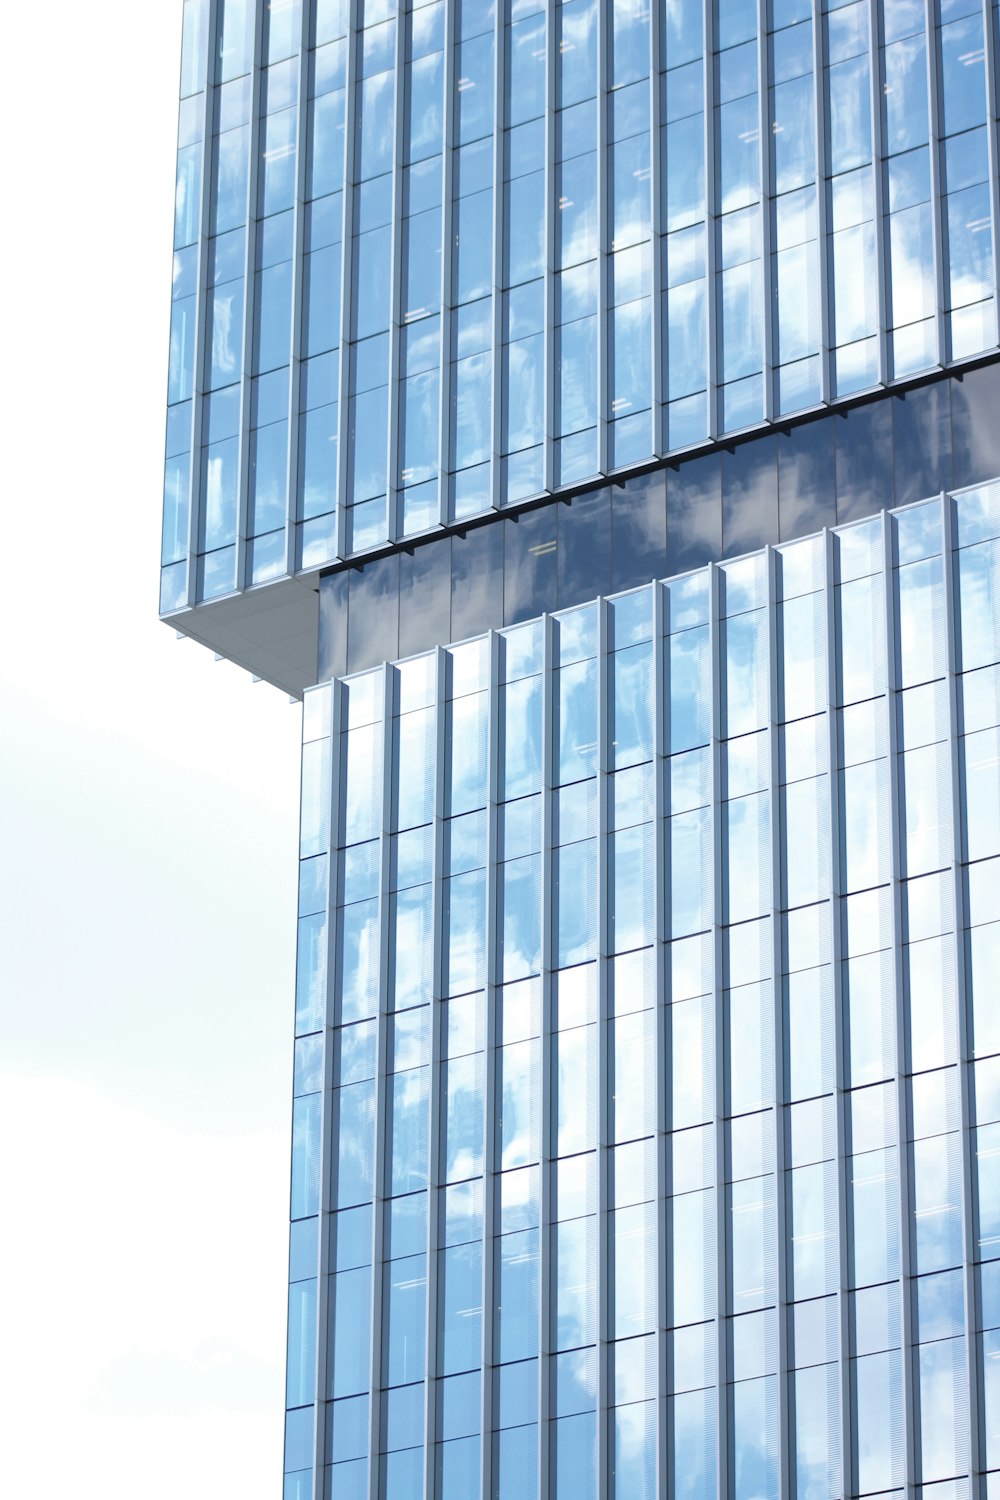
(355, 12)
(902, 1131)
(780, 1216)
(298, 279)
(839, 1021)
(434, 1092)
(249, 299)
(662, 998)
(381, 1050)
(934, 102)
(822, 208)
(764, 158)
(718, 876)
(711, 319)
(499, 220)
(605, 1450)
(603, 239)
(447, 248)
(401, 79)
(549, 316)
(490, 1052)
(198, 394)
(993, 144)
(327, 1203)
(656, 231)
(546, 1059)
(964, 1029)
(878, 189)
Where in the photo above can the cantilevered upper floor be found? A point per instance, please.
(439, 262)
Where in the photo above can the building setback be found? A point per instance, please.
(592, 412)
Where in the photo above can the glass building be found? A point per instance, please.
(591, 410)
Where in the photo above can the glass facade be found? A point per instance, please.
(774, 487)
(436, 260)
(647, 1050)
(647, 1046)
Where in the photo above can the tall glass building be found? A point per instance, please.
(591, 410)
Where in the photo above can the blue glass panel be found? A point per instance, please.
(306, 1117)
(573, 1456)
(526, 64)
(425, 106)
(750, 495)
(458, 1464)
(300, 1380)
(693, 1468)
(864, 460)
(409, 1124)
(475, 98)
(905, 94)
(470, 409)
(576, 228)
(231, 170)
(754, 1422)
(517, 1297)
(181, 377)
(476, 581)
(877, 1393)
(472, 260)
(350, 1336)
(530, 547)
(962, 74)
(300, 1427)
(525, 406)
(576, 903)
(516, 1456)
(576, 374)
(692, 1293)
(278, 143)
(354, 1167)
(635, 1451)
(403, 1334)
(850, 118)
(374, 613)
(326, 157)
(694, 514)
(268, 477)
(187, 196)
(684, 174)
(194, 52)
(460, 1308)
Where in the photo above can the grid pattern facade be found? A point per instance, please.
(435, 260)
(647, 1121)
(836, 467)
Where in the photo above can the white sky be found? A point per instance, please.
(148, 802)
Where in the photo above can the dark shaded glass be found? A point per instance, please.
(333, 591)
(424, 597)
(529, 573)
(921, 442)
(750, 495)
(583, 556)
(373, 620)
(476, 581)
(694, 513)
(807, 497)
(777, 486)
(975, 426)
(638, 531)
(863, 440)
